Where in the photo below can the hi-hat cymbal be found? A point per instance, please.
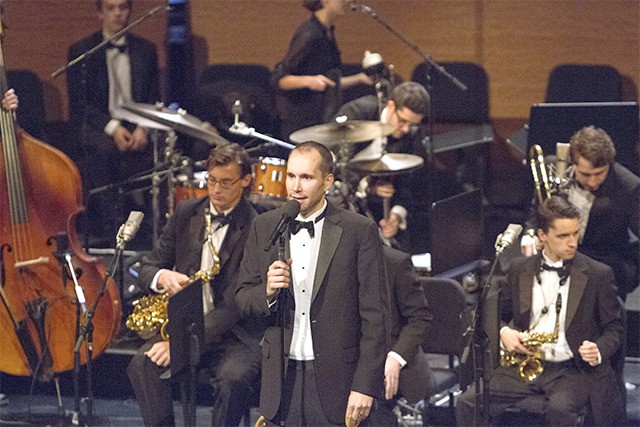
(387, 163)
(348, 132)
(178, 119)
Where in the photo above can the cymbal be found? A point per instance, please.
(122, 114)
(178, 119)
(387, 163)
(348, 132)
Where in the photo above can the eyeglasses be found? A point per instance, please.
(224, 183)
(402, 122)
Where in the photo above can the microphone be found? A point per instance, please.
(290, 210)
(562, 160)
(236, 110)
(509, 236)
(129, 229)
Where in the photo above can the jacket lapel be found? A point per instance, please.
(525, 285)
(331, 233)
(577, 285)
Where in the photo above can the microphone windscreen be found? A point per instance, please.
(291, 208)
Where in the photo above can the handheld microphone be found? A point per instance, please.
(290, 210)
(129, 229)
(509, 236)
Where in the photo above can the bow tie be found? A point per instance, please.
(120, 47)
(222, 219)
(548, 267)
(563, 272)
(295, 226)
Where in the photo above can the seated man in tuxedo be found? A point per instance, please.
(231, 348)
(406, 371)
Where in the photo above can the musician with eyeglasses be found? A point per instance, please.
(231, 348)
(563, 293)
(405, 110)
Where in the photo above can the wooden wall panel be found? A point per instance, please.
(517, 41)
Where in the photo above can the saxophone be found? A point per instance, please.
(530, 366)
(150, 313)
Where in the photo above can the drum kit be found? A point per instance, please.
(269, 172)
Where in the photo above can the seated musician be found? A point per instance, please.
(568, 303)
(231, 347)
(405, 110)
(406, 371)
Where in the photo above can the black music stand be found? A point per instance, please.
(552, 123)
(186, 329)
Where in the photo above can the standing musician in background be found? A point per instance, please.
(124, 71)
(608, 197)
(405, 110)
(563, 291)
(231, 346)
(309, 79)
(330, 290)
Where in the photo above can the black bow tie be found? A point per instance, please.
(120, 47)
(548, 267)
(296, 226)
(222, 219)
(563, 272)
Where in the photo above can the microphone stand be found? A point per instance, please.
(477, 342)
(241, 128)
(282, 306)
(85, 333)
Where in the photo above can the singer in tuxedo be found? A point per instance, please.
(405, 111)
(124, 71)
(231, 349)
(330, 288)
(564, 286)
(308, 79)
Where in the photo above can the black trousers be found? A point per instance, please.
(235, 376)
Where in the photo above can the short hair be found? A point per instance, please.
(312, 5)
(411, 95)
(555, 207)
(223, 155)
(326, 157)
(594, 144)
(100, 2)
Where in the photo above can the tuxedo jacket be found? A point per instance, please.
(144, 78)
(180, 248)
(594, 312)
(347, 324)
(409, 322)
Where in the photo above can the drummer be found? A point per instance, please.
(407, 192)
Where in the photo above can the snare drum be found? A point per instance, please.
(269, 179)
(190, 189)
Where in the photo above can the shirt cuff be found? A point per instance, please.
(598, 360)
(399, 358)
(111, 126)
(154, 283)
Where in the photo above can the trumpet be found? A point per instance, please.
(530, 366)
(150, 313)
(551, 179)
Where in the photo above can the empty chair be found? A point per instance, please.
(584, 83)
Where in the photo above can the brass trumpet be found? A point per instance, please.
(150, 313)
(552, 179)
(530, 366)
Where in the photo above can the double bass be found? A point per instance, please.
(40, 199)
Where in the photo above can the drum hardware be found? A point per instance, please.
(240, 128)
(178, 120)
(269, 180)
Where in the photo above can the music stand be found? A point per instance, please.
(186, 329)
(552, 123)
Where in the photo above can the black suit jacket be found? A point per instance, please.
(347, 322)
(180, 247)
(594, 313)
(144, 78)
(409, 323)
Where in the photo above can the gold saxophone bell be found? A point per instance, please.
(530, 367)
(150, 313)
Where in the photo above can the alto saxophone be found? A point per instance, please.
(530, 366)
(150, 314)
